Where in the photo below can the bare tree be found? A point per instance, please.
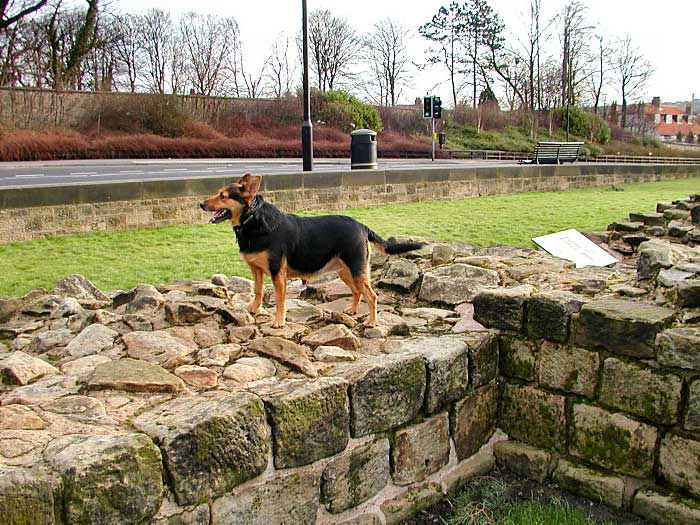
(12, 11)
(129, 47)
(574, 37)
(387, 55)
(600, 70)
(482, 30)
(333, 45)
(208, 41)
(632, 71)
(158, 36)
(10, 54)
(253, 82)
(279, 72)
(444, 31)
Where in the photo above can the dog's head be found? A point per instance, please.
(232, 200)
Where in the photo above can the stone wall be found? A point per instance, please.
(35, 212)
(173, 404)
(600, 393)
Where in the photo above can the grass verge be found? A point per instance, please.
(120, 260)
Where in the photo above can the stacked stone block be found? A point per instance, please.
(600, 396)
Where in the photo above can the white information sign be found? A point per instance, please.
(573, 246)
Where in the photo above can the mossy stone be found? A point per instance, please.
(518, 358)
(29, 496)
(473, 420)
(549, 315)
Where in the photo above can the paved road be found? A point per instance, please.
(53, 173)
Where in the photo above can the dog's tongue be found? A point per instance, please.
(216, 215)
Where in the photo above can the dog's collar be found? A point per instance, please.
(247, 215)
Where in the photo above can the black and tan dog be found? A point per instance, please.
(285, 246)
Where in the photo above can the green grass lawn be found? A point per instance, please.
(121, 260)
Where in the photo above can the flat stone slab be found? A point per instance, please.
(134, 375)
(549, 315)
(333, 335)
(624, 327)
(108, 479)
(20, 368)
(309, 419)
(679, 348)
(209, 445)
(385, 391)
(590, 483)
(249, 369)
(524, 460)
(159, 347)
(286, 352)
(456, 284)
(92, 340)
(502, 308)
(400, 273)
(664, 508)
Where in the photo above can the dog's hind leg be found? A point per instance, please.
(362, 283)
(258, 277)
(346, 277)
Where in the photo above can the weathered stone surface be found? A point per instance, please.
(672, 277)
(410, 502)
(240, 285)
(147, 300)
(662, 508)
(302, 312)
(590, 483)
(285, 352)
(248, 369)
(45, 341)
(208, 334)
(92, 340)
(455, 284)
(284, 500)
(219, 355)
(678, 229)
(183, 313)
(626, 226)
(524, 460)
(518, 358)
(612, 441)
(80, 370)
(134, 375)
(20, 417)
(447, 361)
(692, 419)
(356, 476)
(623, 327)
(29, 496)
(80, 288)
(650, 218)
(172, 514)
(534, 416)
(309, 419)
(502, 308)
(549, 315)
(679, 348)
(569, 369)
(108, 479)
(333, 335)
(197, 376)
(644, 392)
(442, 254)
(420, 450)
(483, 358)
(477, 465)
(80, 408)
(385, 391)
(21, 369)
(333, 354)
(679, 463)
(9, 306)
(473, 420)
(159, 347)
(400, 273)
(688, 293)
(653, 256)
(209, 445)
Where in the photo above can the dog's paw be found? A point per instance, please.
(253, 309)
(368, 323)
(277, 324)
(350, 310)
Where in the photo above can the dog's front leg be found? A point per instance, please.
(254, 305)
(279, 281)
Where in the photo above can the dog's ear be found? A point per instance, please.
(250, 184)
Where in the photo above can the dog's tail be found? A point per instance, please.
(391, 248)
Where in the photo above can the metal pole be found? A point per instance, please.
(307, 136)
(432, 120)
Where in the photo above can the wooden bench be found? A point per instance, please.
(554, 153)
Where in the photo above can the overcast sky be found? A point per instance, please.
(666, 34)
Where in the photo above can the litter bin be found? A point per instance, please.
(363, 149)
(441, 138)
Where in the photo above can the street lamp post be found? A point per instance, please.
(307, 136)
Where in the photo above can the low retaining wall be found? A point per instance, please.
(30, 213)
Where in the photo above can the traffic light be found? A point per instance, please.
(427, 107)
(437, 107)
